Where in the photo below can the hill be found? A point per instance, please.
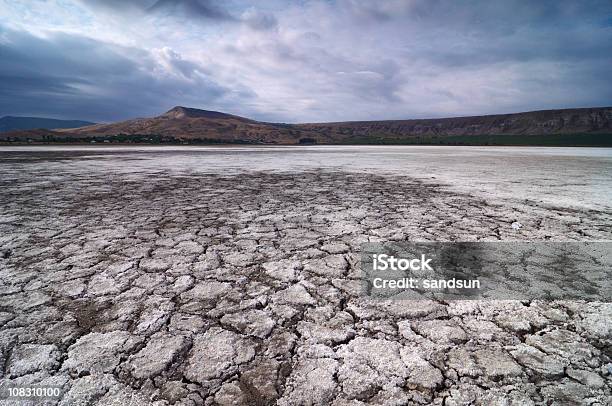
(587, 126)
(188, 124)
(11, 123)
(532, 127)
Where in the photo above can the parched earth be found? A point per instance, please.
(202, 289)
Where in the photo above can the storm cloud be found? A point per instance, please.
(67, 75)
(207, 9)
(303, 61)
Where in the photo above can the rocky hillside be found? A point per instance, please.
(182, 123)
(535, 123)
(588, 126)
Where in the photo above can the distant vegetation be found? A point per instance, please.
(558, 140)
(555, 140)
(128, 139)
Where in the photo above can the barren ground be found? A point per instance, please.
(194, 288)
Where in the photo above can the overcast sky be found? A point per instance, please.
(302, 61)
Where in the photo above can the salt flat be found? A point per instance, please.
(230, 275)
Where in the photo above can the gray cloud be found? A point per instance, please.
(319, 60)
(258, 20)
(192, 8)
(119, 5)
(69, 76)
(195, 9)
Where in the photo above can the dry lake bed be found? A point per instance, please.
(230, 275)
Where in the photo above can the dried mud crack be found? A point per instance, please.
(201, 289)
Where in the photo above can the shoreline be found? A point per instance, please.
(178, 144)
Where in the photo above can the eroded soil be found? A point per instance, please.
(199, 289)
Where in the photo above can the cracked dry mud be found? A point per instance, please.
(201, 289)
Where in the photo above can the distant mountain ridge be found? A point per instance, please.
(584, 126)
(596, 120)
(13, 123)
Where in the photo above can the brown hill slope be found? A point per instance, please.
(587, 126)
(534, 123)
(182, 123)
